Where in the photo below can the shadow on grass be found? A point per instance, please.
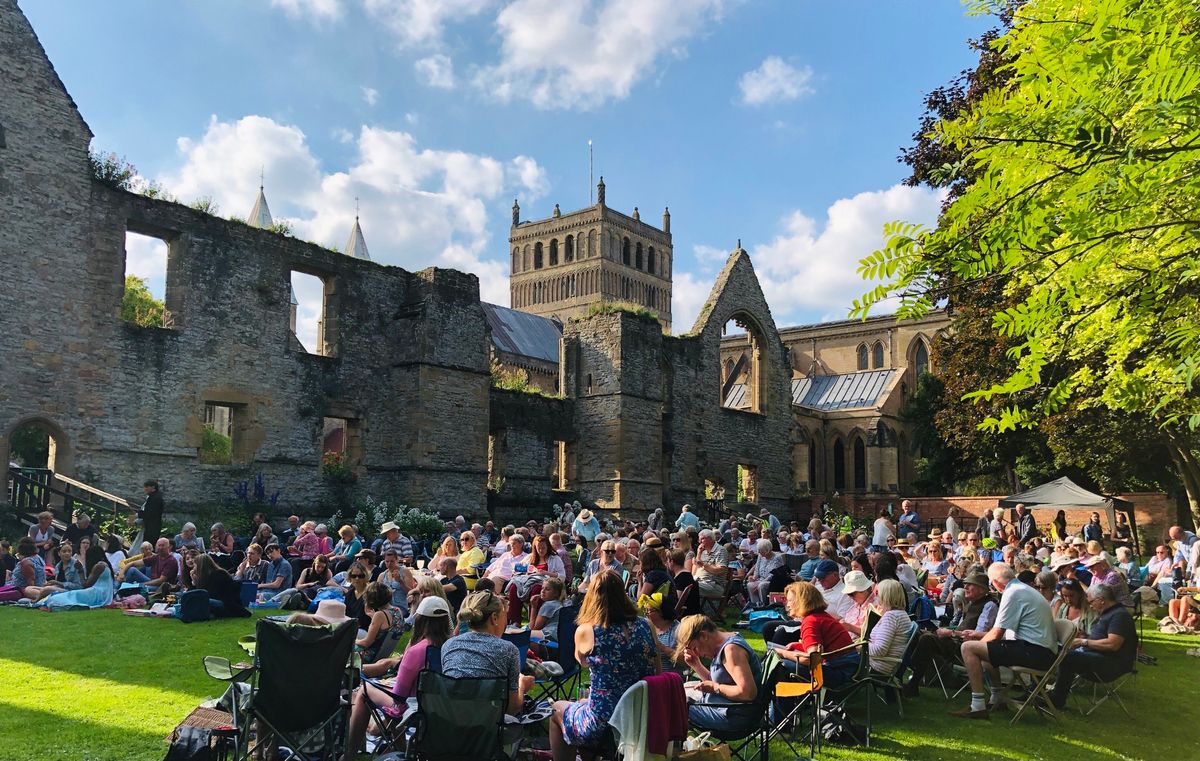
(29, 733)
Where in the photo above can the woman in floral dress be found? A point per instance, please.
(618, 649)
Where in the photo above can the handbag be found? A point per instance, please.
(703, 748)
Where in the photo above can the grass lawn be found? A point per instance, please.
(99, 686)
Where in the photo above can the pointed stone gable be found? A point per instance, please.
(357, 245)
(260, 215)
(736, 291)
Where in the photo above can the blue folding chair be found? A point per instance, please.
(521, 640)
(565, 686)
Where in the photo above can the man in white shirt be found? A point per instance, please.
(1023, 635)
(828, 578)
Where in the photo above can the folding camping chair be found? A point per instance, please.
(1039, 695)
(753, 744)
(458, 718)
(1102, 691)
(565, 685)
(792, 696)
(294, 690)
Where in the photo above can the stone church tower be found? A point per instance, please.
(564, 265)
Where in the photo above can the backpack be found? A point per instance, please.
(836, 727)
(922, 611)
(192, 605)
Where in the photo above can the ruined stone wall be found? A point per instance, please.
(410, 359)
(524, 428)
(709, 441)
(615, 374)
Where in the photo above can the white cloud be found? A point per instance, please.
(809, 271)
(314, 10)
(710, 254)
(688, 294)
(419, 207)
(342, 135)
(421, 23)
(412, 118)
(436, 70)
(370, 95)
(581, 54)
(775, 81)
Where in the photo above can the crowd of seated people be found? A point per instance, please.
(640, 596)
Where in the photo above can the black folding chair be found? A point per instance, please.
(294, 692)
(458, 719)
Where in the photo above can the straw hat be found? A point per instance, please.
(389, 526)
(585, 515)
(332, 612)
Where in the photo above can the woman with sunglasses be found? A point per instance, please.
(357, 578)
(481, 653)
(1072, 605)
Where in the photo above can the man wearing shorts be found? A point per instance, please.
(1023, 635)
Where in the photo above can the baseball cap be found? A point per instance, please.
(433, 606)
(824, 568)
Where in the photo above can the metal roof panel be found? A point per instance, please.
(521, 333)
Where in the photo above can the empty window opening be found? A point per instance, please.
(877, 355)
(563, 474)
(333, 435)
(714, 489)
(569, 249)
(589, 383)
(625, 251)
(553, 252)
(497, 448)
(216, 442)
(145, 295)
(741, 385)
(537, 256)
(310, 313)
(32, 445)
(747, 483)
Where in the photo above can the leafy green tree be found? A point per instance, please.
(1083, 207)
(139, 306)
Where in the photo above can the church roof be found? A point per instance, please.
(357, 245)
(848, 391)
(260, 215)
(523, 334)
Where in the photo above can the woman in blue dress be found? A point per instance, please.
(618, 649)
(95, 592)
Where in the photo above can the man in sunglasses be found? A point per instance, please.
(606, 559)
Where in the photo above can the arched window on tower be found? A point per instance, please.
(553, 251)
(638, 259)
(921, 359)
(537, 256)
(569, 249)
(625, 251)
(650, 260)
(862, 357)
(877, 355)
(591, 243)
(516, 264)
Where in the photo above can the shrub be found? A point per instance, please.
(112, 170)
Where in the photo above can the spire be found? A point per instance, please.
(600, 192)
(357, 245)
(260, 215)
(516, 213)
(666, 219)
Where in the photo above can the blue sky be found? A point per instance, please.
(776, 122)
